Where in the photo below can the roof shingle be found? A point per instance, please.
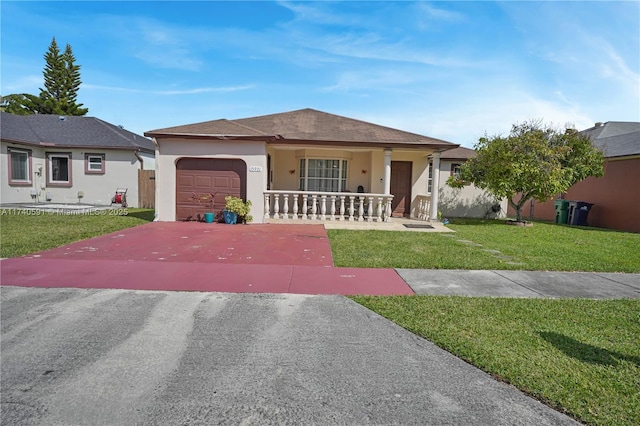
(305, 125)
(616, 138)
(69, 131)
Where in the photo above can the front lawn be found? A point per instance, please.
(490, 244)
(579, 356)
(23, 233)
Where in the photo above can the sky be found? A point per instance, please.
(450, 70)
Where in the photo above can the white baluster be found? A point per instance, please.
(332, 205)
(314, 207)
(370, 209)
(361, 208)
(305, 207)
(285, 207)
(351, 208)
(388, 209)
(295, 207)
(276, 205)
(323, 207)
(267, 206)
(342, 197)
(379, 209)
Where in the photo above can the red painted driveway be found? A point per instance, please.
(258, 258)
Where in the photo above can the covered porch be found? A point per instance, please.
(377, 185)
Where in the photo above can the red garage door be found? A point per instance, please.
(199, 178)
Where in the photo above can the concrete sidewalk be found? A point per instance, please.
(589, 285)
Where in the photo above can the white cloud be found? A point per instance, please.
(193, 91)
(617, 69)
(467, 119)
(24, 84)
(440, 14)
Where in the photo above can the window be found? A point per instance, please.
(430, 177)
(323, 175)
(19, 167)
(455, 170)
(59, 173)
(94, 164)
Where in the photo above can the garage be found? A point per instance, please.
(198, 180)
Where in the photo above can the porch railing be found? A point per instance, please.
(308, 205)
(423, 206)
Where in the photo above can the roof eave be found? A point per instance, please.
(57, 146)
(279, 140)
(209, 136)
(360, 144)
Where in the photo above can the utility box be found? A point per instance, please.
(562, 211)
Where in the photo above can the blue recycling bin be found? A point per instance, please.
(578, 212)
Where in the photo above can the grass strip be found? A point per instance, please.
(22, 234)
(490, 244)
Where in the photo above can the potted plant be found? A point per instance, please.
(236, 210)
(207, 199)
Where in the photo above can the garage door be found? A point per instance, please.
(196, 178)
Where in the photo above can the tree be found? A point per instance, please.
(534, 161)
(13, 104)
(61, 84)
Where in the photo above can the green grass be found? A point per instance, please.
(544, 246)
(579, 356)
(23, 234)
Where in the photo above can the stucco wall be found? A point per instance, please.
(285, 161)
(360, 161)
(148, 161)
(465, 202)
(121, 170)
(282, 162)
(615, 198)
(253, 153)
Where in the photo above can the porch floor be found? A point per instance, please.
(395, 224)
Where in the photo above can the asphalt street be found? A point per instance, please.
(116, 357)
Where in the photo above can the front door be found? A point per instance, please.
(401, 188)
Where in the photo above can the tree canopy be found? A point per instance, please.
(534, 161)
(61, 84)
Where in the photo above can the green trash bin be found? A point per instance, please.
(562, 211)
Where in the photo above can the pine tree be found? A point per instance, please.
(53, 74)
(72, 84)
(61, 84)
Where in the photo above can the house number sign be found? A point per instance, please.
(255, 168)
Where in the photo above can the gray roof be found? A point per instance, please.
(304, 126)
(460, 153)
(616, 138)
(69, 132)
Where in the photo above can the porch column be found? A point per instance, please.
(435, 185)
(387, 171)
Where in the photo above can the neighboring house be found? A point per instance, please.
(468, 201)
(616, 195)
(298, 165)
(61, 160)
